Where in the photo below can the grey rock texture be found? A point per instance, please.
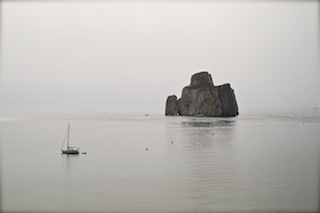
(203, 98)
(228, 101)
(171, 105)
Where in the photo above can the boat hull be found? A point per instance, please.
(70, 152)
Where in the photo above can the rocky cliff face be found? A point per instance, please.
(203, 98)
(171, 105)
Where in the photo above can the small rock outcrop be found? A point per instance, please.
(171, 105)
(203, 98)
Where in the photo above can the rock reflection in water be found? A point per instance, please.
(215, 123)
(205, 133)
(206, 158)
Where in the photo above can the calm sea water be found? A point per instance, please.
(260, 161)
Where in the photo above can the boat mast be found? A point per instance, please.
(68, 135)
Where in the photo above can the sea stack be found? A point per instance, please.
(203, 98)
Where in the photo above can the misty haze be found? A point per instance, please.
(159, 106)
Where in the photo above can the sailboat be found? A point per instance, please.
(69, 150)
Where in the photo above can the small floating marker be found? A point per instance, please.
(83, 153)
(171, 141)
(146, 149)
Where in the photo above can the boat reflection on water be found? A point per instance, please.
(72, 161)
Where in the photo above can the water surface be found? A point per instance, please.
(259, 161)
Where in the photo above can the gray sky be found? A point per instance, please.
(108, 53)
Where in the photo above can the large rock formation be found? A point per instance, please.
(203, 98)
